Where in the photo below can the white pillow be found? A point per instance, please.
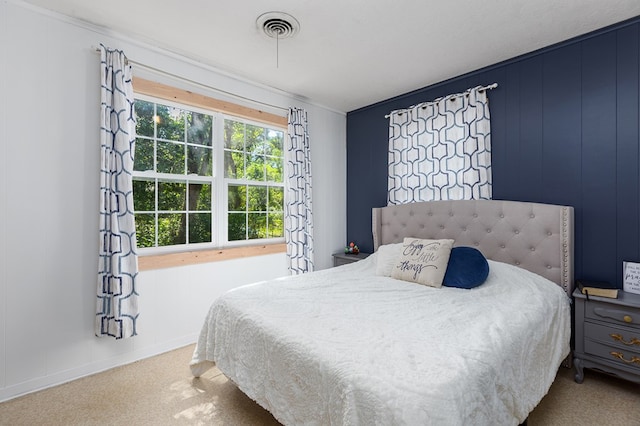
(423, 261)
(388, 255)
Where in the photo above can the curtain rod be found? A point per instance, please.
(453, 96)
(195, 83)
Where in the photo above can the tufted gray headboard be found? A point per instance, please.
(537, 237)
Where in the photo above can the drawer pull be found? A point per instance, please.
(627, 318)
(633, 360)
(619, 338)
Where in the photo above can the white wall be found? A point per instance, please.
(49, 106)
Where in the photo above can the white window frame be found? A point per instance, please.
(226, 182)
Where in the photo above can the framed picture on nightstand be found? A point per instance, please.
(631, 277)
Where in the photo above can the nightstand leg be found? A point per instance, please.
(579, 378)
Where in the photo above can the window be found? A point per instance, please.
(203, 178)
(253, 171)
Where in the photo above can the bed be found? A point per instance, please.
(349, 346)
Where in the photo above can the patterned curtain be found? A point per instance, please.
(117, 304)
(441, 150)
(298, 213)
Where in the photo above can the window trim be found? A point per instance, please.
(154, 260)
(170, 260)
(163, 91)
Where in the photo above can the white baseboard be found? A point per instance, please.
(44, 382)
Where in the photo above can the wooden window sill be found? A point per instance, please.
(170, 260)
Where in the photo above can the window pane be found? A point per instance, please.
(233, 165)
(257, 226)
(237, 226)
(199, 161)
(170, 158)
(144, 195)
(171, 196)
(144, 155)
(144, 118)
(276, 225)
(171, 124)
(200, 197)
(258, 198)
(276, 199)
(237, 198)
(171, 229)
(255, 167)
(145, 229)
(233, 135)
(200, 227)
(199, 128)
(275, 141)
(274, 168)
(255, 139)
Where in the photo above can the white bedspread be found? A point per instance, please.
(346, 347)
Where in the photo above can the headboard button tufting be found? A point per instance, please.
(504, 230)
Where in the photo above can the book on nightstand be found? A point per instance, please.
(597, 288)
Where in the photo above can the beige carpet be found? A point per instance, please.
(161, 391)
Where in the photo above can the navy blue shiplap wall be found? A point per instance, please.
(565, 130)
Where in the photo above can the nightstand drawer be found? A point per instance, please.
(613, 314)
(607, 335)
(343, 258)
(620, 337)
(621, 357)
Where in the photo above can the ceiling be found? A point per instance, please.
(350, 53)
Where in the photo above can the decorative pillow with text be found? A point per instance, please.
(423, 261)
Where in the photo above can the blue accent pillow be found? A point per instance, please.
(467, 268)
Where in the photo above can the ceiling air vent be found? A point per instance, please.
(278, 25)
